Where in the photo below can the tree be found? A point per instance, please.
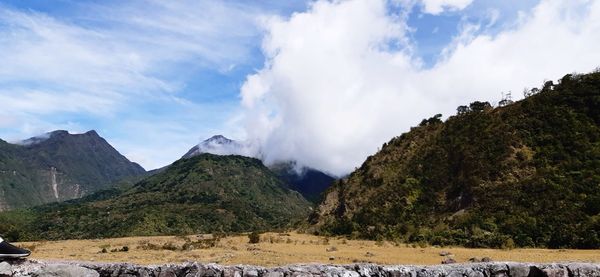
(479, 106)
(254, 237)
(432, 120)
(462, 110)
(529, 92)
(506, 99)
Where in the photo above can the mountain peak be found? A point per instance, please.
(43, 137)
(218, 139)
(92, 133)
(56, 134)
(218, 145)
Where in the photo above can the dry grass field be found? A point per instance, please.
(278, 249)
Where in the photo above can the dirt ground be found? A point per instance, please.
(276, 249)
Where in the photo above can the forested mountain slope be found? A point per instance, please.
(524, 174)
(202, 194)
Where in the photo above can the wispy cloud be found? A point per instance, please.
(439, 6)
(118, 59)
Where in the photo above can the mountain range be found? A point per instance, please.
(522, 174)
(202, 194)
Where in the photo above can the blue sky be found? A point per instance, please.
(156, 77)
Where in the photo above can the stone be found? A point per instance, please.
(486, 260)
(232, 272)
(519, 270)
(474, 260)
(167, 272)
(444, 253)
(64, 270)
(582, 269)
(250, 273)
(5, 269)
(498, 269)
(273, 274)
(555, 272)
(401, 272)
(448, 261)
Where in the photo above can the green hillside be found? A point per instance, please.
(309, 182)
(59, 166)
(525, 174)
(202, 194)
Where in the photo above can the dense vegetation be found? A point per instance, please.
(523, 174)
(203, 194)
(78, 164)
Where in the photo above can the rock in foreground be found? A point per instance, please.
(46, 269)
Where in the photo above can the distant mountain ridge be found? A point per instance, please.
(59, 166)
(310, 182)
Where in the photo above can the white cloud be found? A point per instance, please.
(340, 79)
(439, 6)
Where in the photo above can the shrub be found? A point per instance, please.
(169, 246)
(254, 237)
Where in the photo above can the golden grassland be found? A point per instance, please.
(275, 249)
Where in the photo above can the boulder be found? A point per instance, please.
(448, 261)
(5, 269)
(64, 270)
(444, 253)
(474, 260)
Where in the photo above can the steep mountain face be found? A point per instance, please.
(525, 174)
(311, 183)
(205, 193)
(59, 166)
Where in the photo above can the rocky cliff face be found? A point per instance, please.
(34, 268)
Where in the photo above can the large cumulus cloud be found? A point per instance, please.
(341, 79)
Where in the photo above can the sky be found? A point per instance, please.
(324, 83)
